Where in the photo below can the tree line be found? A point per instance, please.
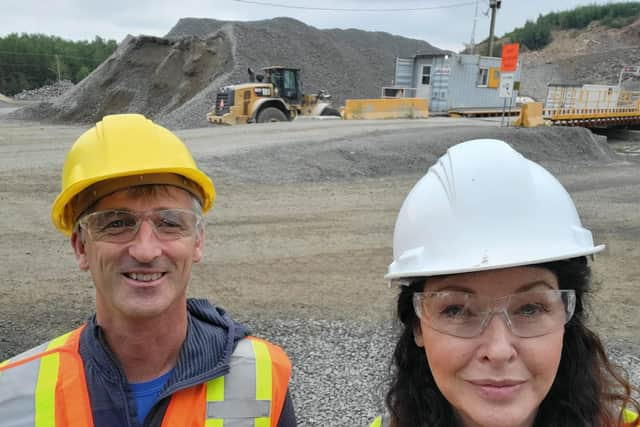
(536, 35)
(29, 61)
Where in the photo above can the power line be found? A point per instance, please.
(16, 65)
(331, 9)
(8, 52)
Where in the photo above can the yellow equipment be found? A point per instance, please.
(276, 96)
(124, 150)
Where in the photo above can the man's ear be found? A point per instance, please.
(79, 248)
(199, 249)
(417, 336)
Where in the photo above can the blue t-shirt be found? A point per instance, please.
(145, 394)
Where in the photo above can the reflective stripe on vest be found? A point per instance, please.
(46, 386)
(377, 422)
(630, 418)
(250, 395)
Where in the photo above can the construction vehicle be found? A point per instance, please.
(275, 96)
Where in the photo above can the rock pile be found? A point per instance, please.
(174, 79)
(45, 92)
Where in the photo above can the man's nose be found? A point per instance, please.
(145, 246)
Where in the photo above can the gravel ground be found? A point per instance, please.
(339, 368)
(300, 238)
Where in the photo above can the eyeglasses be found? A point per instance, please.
(119, 226)
(527, 314)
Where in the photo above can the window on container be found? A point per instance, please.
(426, 74)
(483, 77)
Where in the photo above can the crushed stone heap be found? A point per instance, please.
(45, 92)
(147, 75)
(174, 79)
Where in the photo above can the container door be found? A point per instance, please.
(439, 85)
(424, 82)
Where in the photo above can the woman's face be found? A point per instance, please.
(496, 379)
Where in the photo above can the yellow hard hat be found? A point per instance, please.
(124, 150)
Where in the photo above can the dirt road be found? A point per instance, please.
(303, 221)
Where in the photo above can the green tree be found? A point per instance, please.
(536, 35)
(28, 61)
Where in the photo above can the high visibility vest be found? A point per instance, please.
(46, 387)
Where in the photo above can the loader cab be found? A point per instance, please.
(286, 83)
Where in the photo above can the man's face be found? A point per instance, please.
(145, 277)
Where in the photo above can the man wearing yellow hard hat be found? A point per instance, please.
(132, 202)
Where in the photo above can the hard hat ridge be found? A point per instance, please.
(483, 206)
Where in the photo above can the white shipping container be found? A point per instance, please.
(586, 97)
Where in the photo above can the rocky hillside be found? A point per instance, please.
(174, 79)
(592, 55)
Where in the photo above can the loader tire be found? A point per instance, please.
(330, 112)
(271, 114)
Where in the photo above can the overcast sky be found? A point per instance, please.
(446, 24)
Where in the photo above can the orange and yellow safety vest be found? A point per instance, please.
(48, 389)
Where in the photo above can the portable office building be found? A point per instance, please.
(453, 81)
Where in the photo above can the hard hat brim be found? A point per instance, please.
(62, 213)
(393, 276)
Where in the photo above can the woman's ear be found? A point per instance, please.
(417, 336)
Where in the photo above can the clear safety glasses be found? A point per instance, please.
(119, 226)
(466, 315)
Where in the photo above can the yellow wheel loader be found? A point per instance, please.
(275, 96)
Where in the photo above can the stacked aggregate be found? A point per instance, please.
(174, 79)
(345, 63)
(45, 92)
(147, 75)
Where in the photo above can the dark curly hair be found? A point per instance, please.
(586, 388)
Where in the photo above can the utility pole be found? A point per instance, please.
(472, 45)
(58, 66)
(494, 5)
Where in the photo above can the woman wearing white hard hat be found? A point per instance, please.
(491, 259)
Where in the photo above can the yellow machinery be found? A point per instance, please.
(275, 96)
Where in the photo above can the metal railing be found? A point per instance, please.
(602, 101)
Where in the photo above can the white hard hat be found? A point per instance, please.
(484, 206)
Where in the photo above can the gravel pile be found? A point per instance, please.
(174, 79)
(341, 368)
(345, 63)
(45, 92)
(398, 151)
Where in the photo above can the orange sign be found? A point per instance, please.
(509, 61)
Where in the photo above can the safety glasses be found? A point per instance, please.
(466, 315)
(121, 226)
